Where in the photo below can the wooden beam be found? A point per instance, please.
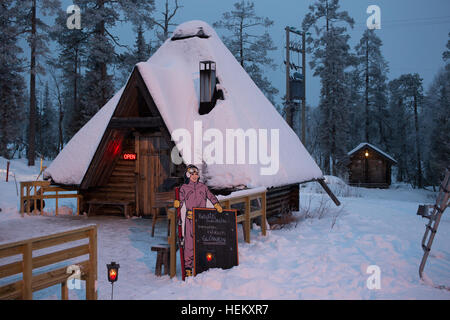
(135, 122)
(328, 191)
(91, 281)
(142, 87)
(27, 271)
(172, 242)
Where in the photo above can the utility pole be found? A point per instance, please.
(298, 91)
(289, 118)
(304, 89)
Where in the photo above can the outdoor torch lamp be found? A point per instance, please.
(113, 274)
(113, 271)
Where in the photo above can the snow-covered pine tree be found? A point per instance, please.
(140, 52)
(66, 75)
(399, 124)
(36, 30)
(372, 69)
(446, 54)
(437, 127)
(406, 141)
(250, 47)
(414, 92)
(330, 59)
(12, 83)
(100, 17)
(355, 107)
(48, 126)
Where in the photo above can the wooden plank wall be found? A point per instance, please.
(377, 168)
(282, 196)
(121, 184)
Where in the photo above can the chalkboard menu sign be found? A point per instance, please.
(215, 239)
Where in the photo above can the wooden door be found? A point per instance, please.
(377, 171)
(152, 169)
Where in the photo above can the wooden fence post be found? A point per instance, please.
(56, 204)
(247, 219)
(172, 244)
(263, 218)
(35, 199)
(21, 200)
(27, 271)
(64, 291)
(91, 281)
(28, 200)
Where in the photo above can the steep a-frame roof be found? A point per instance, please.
(171, 78)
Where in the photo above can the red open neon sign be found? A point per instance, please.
(129, 156)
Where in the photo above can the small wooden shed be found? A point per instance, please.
(370, 167)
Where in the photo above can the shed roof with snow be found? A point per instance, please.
(371, 146)
(172, 79)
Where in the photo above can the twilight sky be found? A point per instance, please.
(414, 32)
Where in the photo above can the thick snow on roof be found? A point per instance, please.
(73, 161)
(363, 144)
(172, 78)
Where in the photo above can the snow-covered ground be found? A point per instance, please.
(325, 256)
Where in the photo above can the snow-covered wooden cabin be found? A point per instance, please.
(124, 152)
(370, 167)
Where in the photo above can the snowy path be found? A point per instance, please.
(311, 261)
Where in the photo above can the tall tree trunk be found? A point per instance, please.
(419, 163)
(103, 70)
(241, 42)
(367, 91)
(166, 21)
(32, 116)
(75, 81)
(401, 131)
(102, 65)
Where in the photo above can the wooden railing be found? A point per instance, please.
(30, 283)
(32, 191)
(251, 204)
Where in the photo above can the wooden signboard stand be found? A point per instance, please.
(215, 239)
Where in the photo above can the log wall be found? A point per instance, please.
(279, 197)
(121, 184)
